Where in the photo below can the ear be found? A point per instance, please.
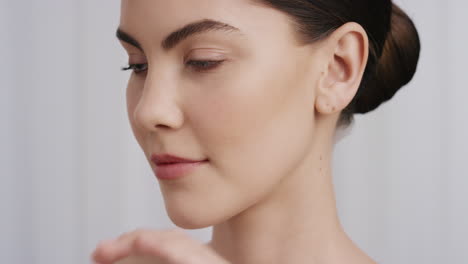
(345, 61)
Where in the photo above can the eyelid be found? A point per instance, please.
(136, 58)
(205, 54)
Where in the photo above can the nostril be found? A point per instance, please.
(162, 126)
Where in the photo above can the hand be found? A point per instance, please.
(172, 246)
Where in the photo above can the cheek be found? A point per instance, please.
(255, 126)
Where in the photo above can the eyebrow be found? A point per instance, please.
(182, 33)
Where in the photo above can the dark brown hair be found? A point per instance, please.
(393, 43)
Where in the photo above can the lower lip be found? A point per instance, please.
(174, 171)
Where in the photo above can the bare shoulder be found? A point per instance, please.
(139, 260)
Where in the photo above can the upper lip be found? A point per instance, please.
(158, 159)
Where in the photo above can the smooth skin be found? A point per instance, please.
(265, 118)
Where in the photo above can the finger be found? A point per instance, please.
(175, 247)
(164, 244)
(107, 251)
(127, 244)
(171, 245)
(139, 260)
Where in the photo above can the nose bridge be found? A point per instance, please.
(157, 104)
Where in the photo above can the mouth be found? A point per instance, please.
(164, 159)
(171, 167)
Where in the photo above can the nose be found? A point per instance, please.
(157, 107)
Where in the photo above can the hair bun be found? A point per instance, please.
(396, 66)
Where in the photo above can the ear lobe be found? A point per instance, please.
(347, 59)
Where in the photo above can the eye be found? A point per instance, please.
(204, 65)
(197, 65)
(137, 67)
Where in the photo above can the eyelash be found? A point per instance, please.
(198, 65)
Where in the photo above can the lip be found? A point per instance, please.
(170, 167)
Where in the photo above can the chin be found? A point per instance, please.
(191, 220)
(197, 217)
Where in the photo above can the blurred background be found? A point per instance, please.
(72, 173)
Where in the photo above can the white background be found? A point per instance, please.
(72, 173)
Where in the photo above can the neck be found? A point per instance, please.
(296, 223)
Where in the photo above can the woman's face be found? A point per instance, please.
(251, 115)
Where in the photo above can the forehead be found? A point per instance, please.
(156, 18)
(183, 8)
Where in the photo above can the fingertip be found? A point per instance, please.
(104, 250)
(143, 243)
